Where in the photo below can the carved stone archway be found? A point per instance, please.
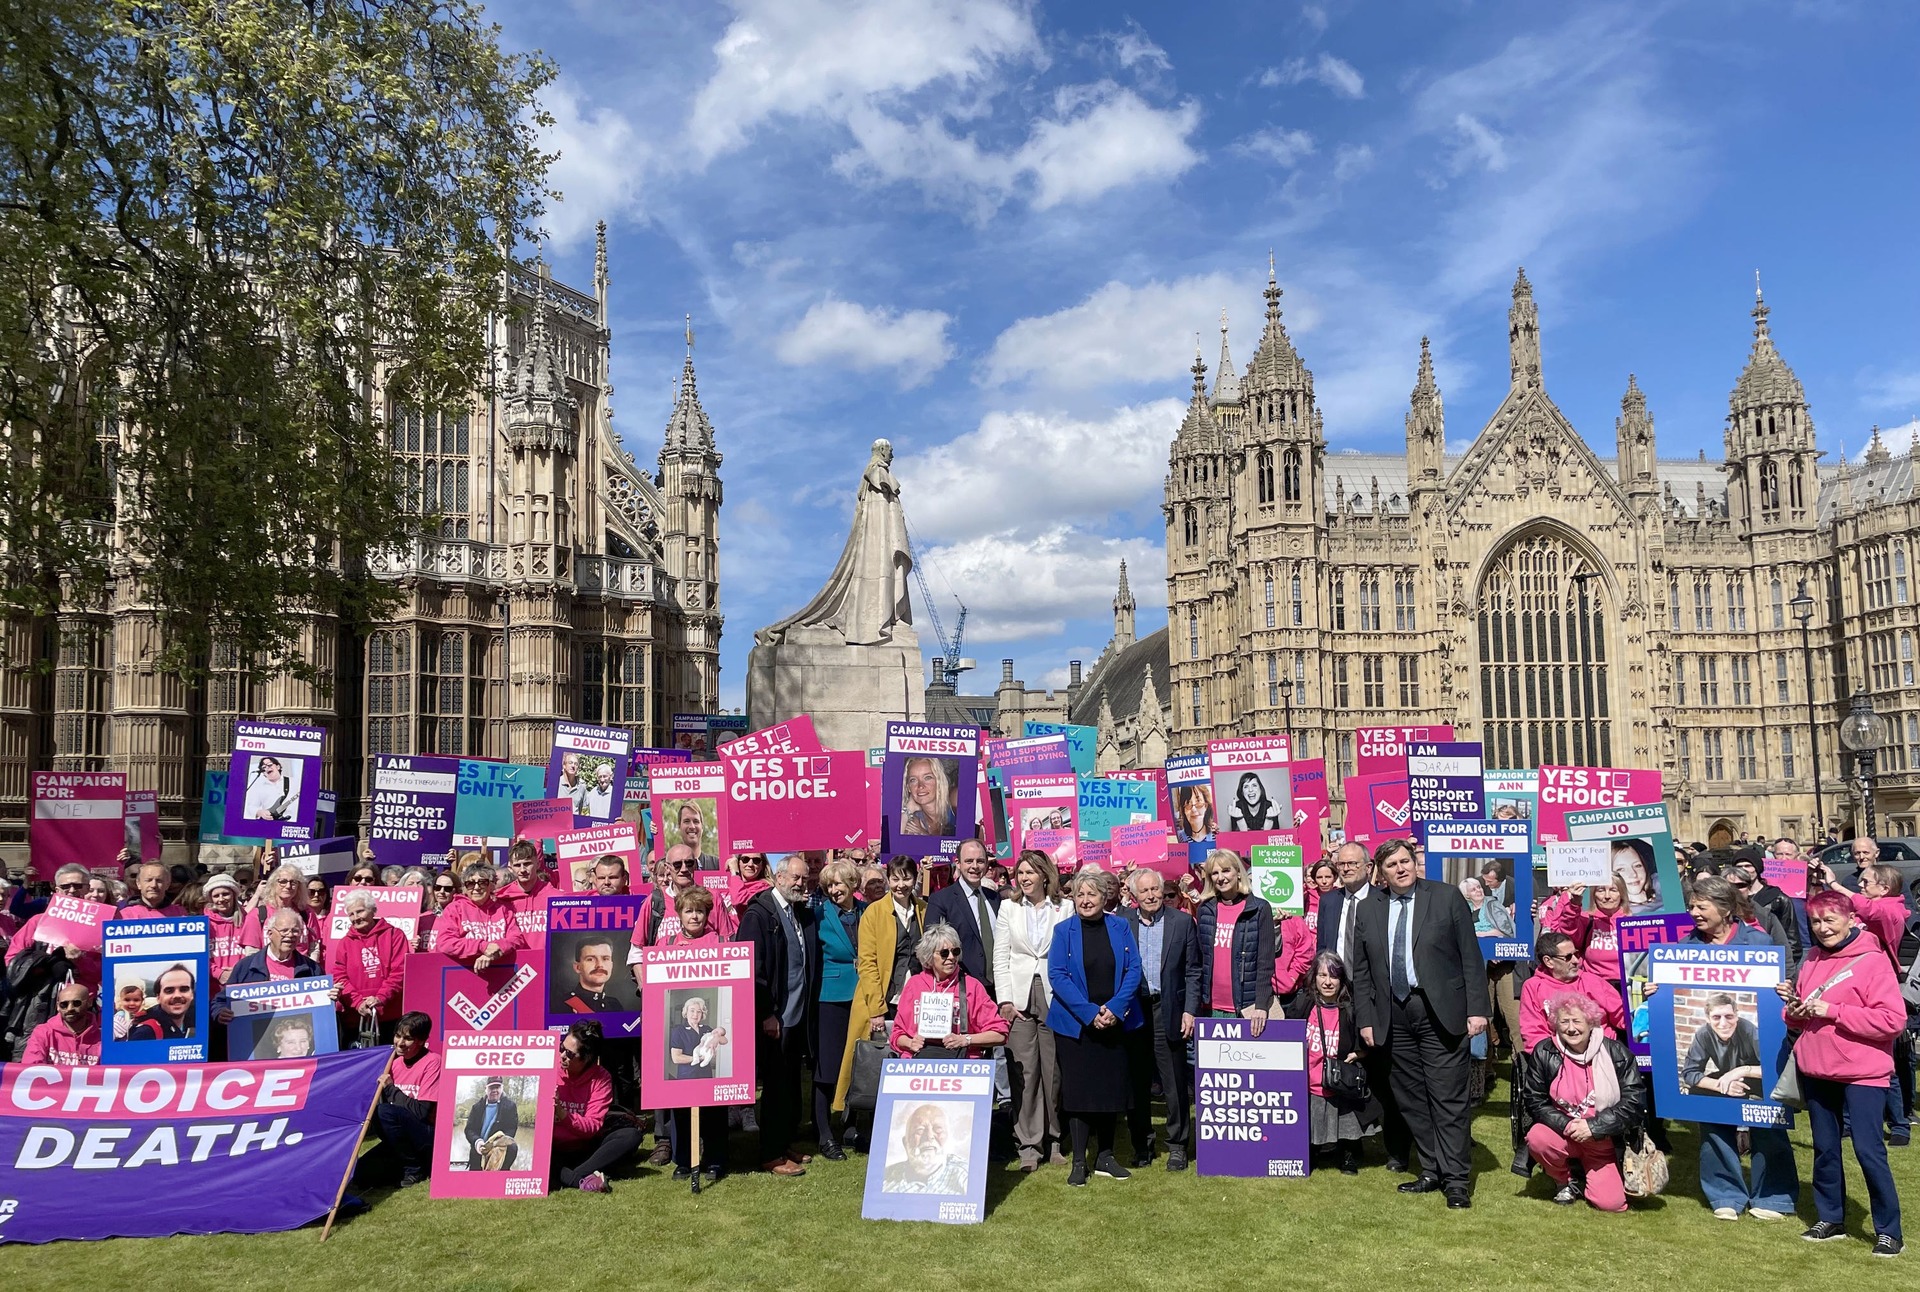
(1544, 658)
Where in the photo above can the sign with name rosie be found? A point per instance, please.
(483, 811)
(77, 819)
(1643, 860)
(289, 1018)
(788, 802)
(589, 766)
(493, 1135)
(1458, 851)
(1716, 1032)
(410, 818)
(927, 788)
(588, 938)
(1574, 789)
(1250, 1098)
(697, 1049)
(1444, 781)
(1252, 790)
(273, 780)
(929, 1158)
(147, 1152)
(155, 993)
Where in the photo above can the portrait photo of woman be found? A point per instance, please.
(926, 798)
(1193, 813)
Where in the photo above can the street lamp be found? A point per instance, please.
(1286, 694)
(1802, 608)
(1861, 734)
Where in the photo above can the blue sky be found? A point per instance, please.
(989, 230)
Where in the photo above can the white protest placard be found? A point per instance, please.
(1584, 862)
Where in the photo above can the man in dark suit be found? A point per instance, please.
(786, 991)
(1339, 918)
(970, 906)
(1169, 996)
(1420, 988)
(493, 1115)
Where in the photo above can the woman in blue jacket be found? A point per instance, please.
(1094, 968)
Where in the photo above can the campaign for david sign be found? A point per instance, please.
(927, 793)
(493, 1135)
(698, 1044)
(1716, 1032)
(410, 816)
(1250, 1098)
(150, 1151)
(1461, 850)
(77, 820)
(273, 780)
(787, 802)
(589, 766)
(929, 1157)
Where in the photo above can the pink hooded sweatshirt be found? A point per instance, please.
(1542, 987)
(465, 928)
(53, 1042)
(370, 966)
(1295, 941)
(1854, 1042)
(1885, 918)
(1593, 935)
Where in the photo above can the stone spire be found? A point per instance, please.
(1426, 426)
(1276, 364)
(1877, 454)
(1123, 613)
(1767, 381)
(688, 426)
(540, 408)
(1523, 336)
(600, 270)
(1633, 437)
(1198, 430)
(1226, 383)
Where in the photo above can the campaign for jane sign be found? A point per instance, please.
(698, 1046)
(1716, 1032)
(150, 1151)
(929, 1156)
(1250, 1098)
(77, 820)
(273, 780)
(927, 788)
(788, 802)
(1461, 850)
(410, 817)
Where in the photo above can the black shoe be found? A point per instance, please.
(1824, 1231)
(1887, 1245)
(1421, 1184)
(409, 1178)
(1522, 1165)
(1177, 1160)
(1141, 1161)
(713, 1173)
(1397, 1165)
(1899, 1139)
(833, 1153)
(1106, 1165)
(1569, 1193)
(1078, 1176)
(1458, 1199)
(682, 1173)
(1349, 1161)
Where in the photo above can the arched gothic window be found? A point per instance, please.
(1543, 657)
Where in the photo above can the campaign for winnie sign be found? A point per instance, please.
(192, 1148)
(698, 1047)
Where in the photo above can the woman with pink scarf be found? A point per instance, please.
(1585, 1096)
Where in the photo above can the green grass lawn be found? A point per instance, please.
(1160, 1230)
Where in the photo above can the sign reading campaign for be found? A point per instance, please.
(1643, 860)
(1573, 789)
(146, 1152)
(725, 728)
(154, 979)
(576, 852)
(483, 813)
(288, 1018)
(930, 1123)
(143, 825)
(1384, 749)
(493, 1135)
(690, 733)
(77, 820)
(1043, 803)
(1444, 781)
(689, 807)
(1496, 853)
(410, 817)
(589, 766)
(788, 802)
(1716, 1032)
(698, 1046)
(1252, 790)
(1081, 741)
(1513, 795)
(1106, 803)
(1250, 1097)
(273, 780)
(75, 922)
(1632, 935)
(926, 788)
(398, 905)
(588, 938)
(1190, 787)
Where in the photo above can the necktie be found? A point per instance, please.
(986, 925)
(1403, 916)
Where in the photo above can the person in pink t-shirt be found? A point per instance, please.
(223, 925)
(71, 1038)
(590, 1135)
(477, 928)
(284, 890)
(527, 892)
(409, 1099)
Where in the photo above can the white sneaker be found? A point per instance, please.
(1725, 1213)
(1761, 1213)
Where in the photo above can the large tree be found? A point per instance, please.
(219, 221)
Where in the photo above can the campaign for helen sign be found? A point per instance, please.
(1250, 1098)
(77, 820)
(273, 781)
(929, 1155)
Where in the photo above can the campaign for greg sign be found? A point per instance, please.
(494, 1131)
(788, 802)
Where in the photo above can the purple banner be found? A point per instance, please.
(203, 1148)
(1633, 934)
(1250, 1098)
(410, 819)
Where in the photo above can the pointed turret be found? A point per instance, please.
(688, 426)
(1766, 380)
(600, 270)
(1771, 453)
(1523, 336)
(1226, 384)
(1276, 364)
(1877, 454)
(540, 408)
(1199, 431)
(1426, 426)
(1123, 608)
(1634, 441)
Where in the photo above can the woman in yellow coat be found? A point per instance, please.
(889, 930)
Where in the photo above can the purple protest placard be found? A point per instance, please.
(589, 766)
(273, 780)
(1633, 935)
(1029, 756)
(588, 938)
(1250, 1098)
(77, 819)
(143, 826)
(1445, 781)
(410, 819)
(927, 787)
(126, 1152)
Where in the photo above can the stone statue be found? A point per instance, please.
(866, 595)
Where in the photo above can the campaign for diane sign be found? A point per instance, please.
(697, 1049)
(77, 819)
(1632, 935)
(1572, 789)
(483, 810)
(588, 938)
(1458, 851)
(493, 1137)
(930, 1127)
(1252, 790)
(689, 807)
(292, 1018)
(154, 980)
(410, 816)
(786, 802)
(926, 790)
(589, 766)
(1444, 781)
(576, 851)
(273, 780)
(1716, 1033)
(1250, 1098)
(1643, 860)
(146, 1152)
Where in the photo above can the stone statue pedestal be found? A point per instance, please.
(852, 692)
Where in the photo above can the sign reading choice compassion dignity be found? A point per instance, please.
(273, 780)
(145, 1152)
(929, 1157)
(1250, 1097)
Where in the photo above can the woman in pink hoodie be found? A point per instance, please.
(1846, 1008)
(477, 928)
(1590, 924)
(369, 965)
(589, 1133)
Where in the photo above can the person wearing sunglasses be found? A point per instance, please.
(590, 1135)
(71, 1038)
(477, 928)
(363, 876)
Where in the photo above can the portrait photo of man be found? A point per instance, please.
(171, 1016)
(928, 1158)
(1723, 1057)
(492, 1123)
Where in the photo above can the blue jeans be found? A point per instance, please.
(1776, 1186)
(1826, 1103)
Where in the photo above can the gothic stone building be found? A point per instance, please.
(566, 582)
(1558, 606)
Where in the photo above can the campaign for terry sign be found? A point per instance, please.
(152, 1150)
(1715, 1030)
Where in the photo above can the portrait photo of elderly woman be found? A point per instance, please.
(290, 1037)
(695, 1048)
(926, 797)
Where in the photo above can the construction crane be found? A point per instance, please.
(949, 664)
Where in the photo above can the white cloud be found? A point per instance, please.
(1881, 389)
(1277, 144)
(1119, 335)
(601, 159)
(846, 335)
(1334, 73)
(1019, 587)
(1134, 48)
(1479, 145)
(1350, 160)
(1314, 16)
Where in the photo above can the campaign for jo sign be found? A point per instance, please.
(1250, 1097)
(1716, 1032)
(929, 1158)
(273, 781)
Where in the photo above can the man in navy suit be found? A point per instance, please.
(1169, 996)
(1339, 919)
(970, 907)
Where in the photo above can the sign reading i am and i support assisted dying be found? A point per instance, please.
(410, 815)
(1250, 1098)
(1444, 781)
(928, 791)
(273, 780)
(1493, 861)
(929, 1158)
(493, 1137)
(1717, 1036)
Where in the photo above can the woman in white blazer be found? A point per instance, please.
(1022, 934)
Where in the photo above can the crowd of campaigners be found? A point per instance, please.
(1088, 986)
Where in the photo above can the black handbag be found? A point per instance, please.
(863, 1089)
(1346, 1082)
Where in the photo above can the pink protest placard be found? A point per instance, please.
(1310, 804)
(793, 802)
(576, 852)
(493, 1137)
(1050, 802)
(1094, 852)
(143, 824)
(504, 997)
(1788, 874)
(689, 807)
(1149, 845)
(697, 1047)
(1252, 790)
(398, 906)
(1061, 845)
(1577, 789)
(794, 736)
(1377, 808)
(1029, 755)
(75, 922)
(1384, 749)
(542, 819)
(1157, 775)
(78, 818)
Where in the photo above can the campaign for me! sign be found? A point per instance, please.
(77, 820)
(1250, 1098)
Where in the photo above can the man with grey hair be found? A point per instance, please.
(280, 958)
(1170, 997)
(786, 992)
(37, 966)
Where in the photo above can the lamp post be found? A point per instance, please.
(1802, 607)
(1861, 734)
(1286, 694)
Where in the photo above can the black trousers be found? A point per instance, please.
(614, 1146)
(1394, 1135)
(1151, 1052)
(778, 1063)
(1429, 1081)
(832, 1040)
